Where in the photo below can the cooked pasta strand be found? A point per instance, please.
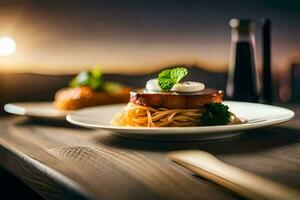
(143, 116)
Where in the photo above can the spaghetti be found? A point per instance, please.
(144, 116)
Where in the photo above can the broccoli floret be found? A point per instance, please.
(215, 114)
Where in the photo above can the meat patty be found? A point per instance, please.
(175, 100)
(81, 97)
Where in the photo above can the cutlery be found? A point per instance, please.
(244, 183)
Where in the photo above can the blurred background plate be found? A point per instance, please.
(256, 116)
(44, 110)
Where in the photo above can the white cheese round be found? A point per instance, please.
(188, 86)
(152, 84)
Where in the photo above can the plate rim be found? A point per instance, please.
(7, 108)
(195, 129)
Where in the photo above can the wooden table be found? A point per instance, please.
(61, 161)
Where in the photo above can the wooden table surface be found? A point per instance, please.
(61, 161)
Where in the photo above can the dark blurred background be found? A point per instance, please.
(55, 39)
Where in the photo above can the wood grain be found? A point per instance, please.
(235, 179)
(61, 161)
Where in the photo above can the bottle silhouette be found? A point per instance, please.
(242, 83)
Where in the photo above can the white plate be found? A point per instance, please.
(256, 116)
(44, 110)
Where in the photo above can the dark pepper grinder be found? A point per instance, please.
(242, 83)
(266, 62)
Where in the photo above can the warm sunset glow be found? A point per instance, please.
(62, 38)
(7, 46)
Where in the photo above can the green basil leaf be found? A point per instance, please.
(91, 78)
(95, 83)
(178, 73)
(111, 87)
(169, 77)
(96, 73)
